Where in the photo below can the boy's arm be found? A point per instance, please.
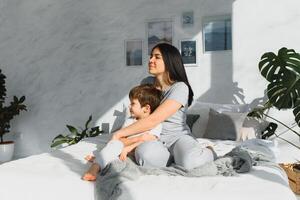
(131, 143)
(132, 146)
(128, 149)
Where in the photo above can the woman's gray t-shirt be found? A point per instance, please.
(175, 126)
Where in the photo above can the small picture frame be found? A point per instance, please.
(158, 31)
(188, 51)
(134, 52)
(187, 19)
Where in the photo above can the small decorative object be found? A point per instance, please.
(187, 19)
(159, 31)
(283, 73)
(293, 172)
(75, 136)
(7, 113)
(188, 52)
(134, 52)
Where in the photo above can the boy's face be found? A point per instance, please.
(137, 111)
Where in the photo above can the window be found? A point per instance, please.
(217, 34)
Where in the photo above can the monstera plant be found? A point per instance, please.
(282, 71)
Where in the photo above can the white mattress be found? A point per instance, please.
(57, 175)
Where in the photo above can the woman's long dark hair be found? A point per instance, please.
(174, 66)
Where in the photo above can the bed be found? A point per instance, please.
(57, 175)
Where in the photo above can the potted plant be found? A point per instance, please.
(7, 113)
(76, 134)
(282, 71)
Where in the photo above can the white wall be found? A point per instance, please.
(67, 58)
(261, 26)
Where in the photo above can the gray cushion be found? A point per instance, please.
(224, 126)
(191, 119)
(202, 108)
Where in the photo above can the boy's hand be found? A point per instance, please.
(90, 158)
(123, 155)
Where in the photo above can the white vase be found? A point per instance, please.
(6, 151)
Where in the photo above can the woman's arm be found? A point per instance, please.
(163, 112)
(142, 138)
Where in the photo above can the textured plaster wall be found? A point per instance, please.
(67, 58)
(261, 26)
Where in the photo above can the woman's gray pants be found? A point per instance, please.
(186, 152)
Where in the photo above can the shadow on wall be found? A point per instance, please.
(222, 87)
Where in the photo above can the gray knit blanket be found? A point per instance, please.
(239, 160)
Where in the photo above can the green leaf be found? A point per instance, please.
(296, 112)
(88, 121)
(59, 142)
(59, 137)
(96, 128)
(22, 99)
(283, 73)
(72, 129)
(269, 131)
(83, 133)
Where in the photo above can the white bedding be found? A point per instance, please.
(56, 175)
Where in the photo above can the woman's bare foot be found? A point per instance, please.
(90, 158)
(213, 152)
(91, 174)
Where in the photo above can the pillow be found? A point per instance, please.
(224, 126)
(201, 108)
(191, 119)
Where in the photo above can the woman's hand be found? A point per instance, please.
(116, 136)
(148, 137)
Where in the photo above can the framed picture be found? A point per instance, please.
(159, 31)
(134, 52)
(188, 50)
(217, 34)
(187, 19)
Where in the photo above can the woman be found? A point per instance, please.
(176, 142)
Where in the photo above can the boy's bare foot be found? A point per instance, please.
(90, 158)
(91, 174)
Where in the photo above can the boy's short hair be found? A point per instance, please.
(146, 94)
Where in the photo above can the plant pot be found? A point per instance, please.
(6, 151)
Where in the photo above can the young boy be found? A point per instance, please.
(144, 99)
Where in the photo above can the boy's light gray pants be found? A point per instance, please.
(186, 152)
(109, 153)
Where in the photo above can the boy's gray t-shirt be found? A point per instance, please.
(175, 126)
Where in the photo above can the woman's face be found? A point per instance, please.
(156, 63)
